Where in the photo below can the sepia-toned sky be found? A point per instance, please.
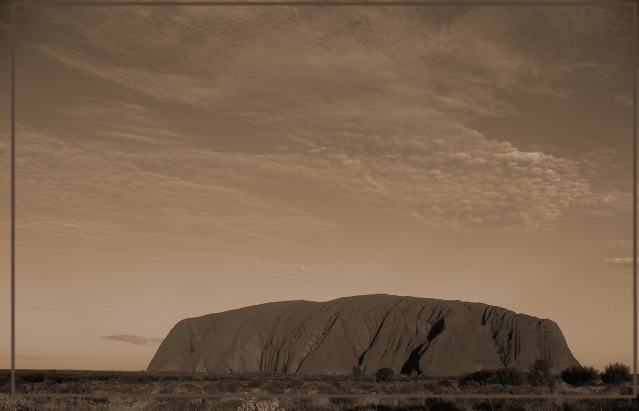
(179, 161)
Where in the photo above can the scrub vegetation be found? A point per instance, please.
(616, 379)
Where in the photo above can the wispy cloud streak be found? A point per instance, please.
(135, 339)
(625, 261)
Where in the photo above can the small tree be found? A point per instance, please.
(616, 373)
(540, 373)
(478, 377)
(510, 376)
(384, 375)
(577, 375)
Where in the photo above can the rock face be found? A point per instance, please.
(407, 334)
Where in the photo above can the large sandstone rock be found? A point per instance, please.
(407, 334)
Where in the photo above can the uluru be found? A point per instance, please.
(407, 334)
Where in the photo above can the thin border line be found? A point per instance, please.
(324, 3)
(380, 396)
(13, 200)
(634, 198)
(310, 3)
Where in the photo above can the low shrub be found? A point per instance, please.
(101, 377)
(503, 376)
(253, 405)
(136, 379)
(276, 387)
(540, 373)
(616, 373)
(384, 375)
(441, 405)
(577, 375)
(510, 376)
(170, 377)
(314, 377)
(227, 386)
(479, 377)
(32, 377)
(52, 378)
(295, 383)
(326, 388)
(255, 382)
(357, 371)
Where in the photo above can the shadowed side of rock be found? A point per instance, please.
(406, 334)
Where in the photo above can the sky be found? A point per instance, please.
(178, 161)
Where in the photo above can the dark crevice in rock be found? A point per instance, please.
(435, 330)
(412, 364)
(191, 343)
(484, 318)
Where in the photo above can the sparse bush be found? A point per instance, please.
(510, 376)
(255, 382)
(296, 383)
(99, 377)
(384, 375)
(616, 373)
(169, 377)
(503, 376)
(326, 388)
(32, 377)
(252, 405)
(314, 377)
(357, 371)
(166, 390)
(52, 378)
(228, 386)
(276, 387)
(479, 377)
(440, 405)
(198, 379)
(540, 373)
(129, 379)
(577, 375)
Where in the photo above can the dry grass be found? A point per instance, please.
(140, 382)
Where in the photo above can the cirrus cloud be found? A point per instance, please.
(135, 339)
(624, 261)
